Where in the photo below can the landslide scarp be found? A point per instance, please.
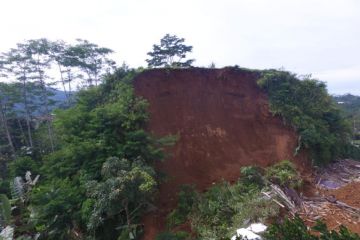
(222, 121)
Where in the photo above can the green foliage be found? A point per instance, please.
(350, 105)
(296, 229)
(284, 174)
(186, 199)
(124, 184)
(170, 53)
(5, 209)
(23, 164)
(55, 207)
(172, 236)
(225, 207)
(251, 174)
(307, 106)
(100, 179)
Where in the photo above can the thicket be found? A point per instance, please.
(99, 180)
(217, 213)
(223, 208)
(296, 229)
(305, 105)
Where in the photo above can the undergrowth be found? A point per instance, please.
(217, 213)
(306, 105)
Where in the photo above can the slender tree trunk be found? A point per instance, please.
(63, 84)
(46, 105)
(22, 131)
(128, 220)
(48, 116)
(69, 83)
(27, 113)
(3, 120)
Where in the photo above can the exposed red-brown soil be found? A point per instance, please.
(223, 122)
(348, 194)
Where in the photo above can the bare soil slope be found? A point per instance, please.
(223, 122)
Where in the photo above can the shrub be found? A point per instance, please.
(306, 105)
(224, 208)
(172, 236)
(186, 199)
(284, 173)
(251, 174)
(296, 229)
(21, 165)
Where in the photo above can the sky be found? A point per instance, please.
(318, 37)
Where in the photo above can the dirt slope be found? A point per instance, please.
(223, 122)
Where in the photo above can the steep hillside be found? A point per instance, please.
(223, 122)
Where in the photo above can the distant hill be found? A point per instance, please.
(59, 96)
(350, 104)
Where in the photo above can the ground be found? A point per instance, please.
(222, 120)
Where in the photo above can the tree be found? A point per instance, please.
(170, 53)
(39, 51)
(6, 106)
(18, 63)
(91, 59)
(127, 188)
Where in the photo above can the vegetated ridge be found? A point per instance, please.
(222, 120)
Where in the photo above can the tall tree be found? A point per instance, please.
(57, 51)
(6, 105)
(18, 63)
(170, 53)
(91, 59)
(41, 60)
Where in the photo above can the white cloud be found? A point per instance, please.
(305, 36)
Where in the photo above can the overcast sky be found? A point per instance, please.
(320, 37)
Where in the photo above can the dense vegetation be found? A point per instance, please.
(306, 105)
(84, 172)
(100, 178)
(296, 229)
(83, 169)
(350, 104)
(217, 213)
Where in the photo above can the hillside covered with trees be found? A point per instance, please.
(96, 166)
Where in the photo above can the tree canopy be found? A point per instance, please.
(170, 53)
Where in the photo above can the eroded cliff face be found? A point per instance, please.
(223, 122)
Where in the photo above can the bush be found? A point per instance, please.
(186, 199)
(172, 236)
(306, 105)
(224, 208)
(251, 175)
(284, 174)
(21, 165)
(296, 229)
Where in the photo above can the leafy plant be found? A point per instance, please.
(224, 208)
(5, 209)
(187, 197)
(251, 174)
(172, 236)
(306, 105)
(284, 174)
(170, 53)
(296, 229)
